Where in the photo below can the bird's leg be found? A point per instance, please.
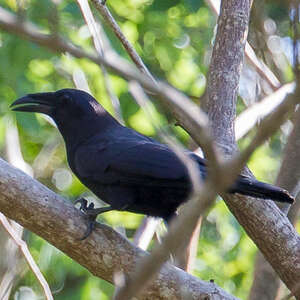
(91, 214)
(91, 211)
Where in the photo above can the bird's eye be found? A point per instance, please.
(69, 104)
(66, 99)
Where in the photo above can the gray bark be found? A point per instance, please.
(104, 253)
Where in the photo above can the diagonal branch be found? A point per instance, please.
(27, 255)
(107, 16)
(268, 227)
(246, 120)
(188, 115)
(186, 222)
(104, 253)
(99, 44)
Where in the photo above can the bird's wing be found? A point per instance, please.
(130, 162)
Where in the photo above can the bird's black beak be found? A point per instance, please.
(40, 102)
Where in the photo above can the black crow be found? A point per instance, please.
(124, 168)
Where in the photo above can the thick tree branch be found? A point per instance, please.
(201, 201)
(104, 253)
(266, 282)
(263, 221)
(225, 69)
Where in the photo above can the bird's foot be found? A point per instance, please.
(91, 212)
(85, 208)
(90, 209)
(83, 205)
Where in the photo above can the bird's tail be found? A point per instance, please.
(251, 187)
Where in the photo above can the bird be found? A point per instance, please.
(126, 169)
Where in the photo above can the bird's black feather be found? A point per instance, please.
(127, 170)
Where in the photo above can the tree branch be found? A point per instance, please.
(246, 120)
(188, 115)
(258, 64)
(107, 16)
(104, 253)
(224, 71)
(266, 281)
(27, 255)
(263, 221)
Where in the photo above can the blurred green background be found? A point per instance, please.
(174, 38)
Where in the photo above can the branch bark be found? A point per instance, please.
(263, 221)
(266, 282)
(104, 253)
(260, 67)
(225, 69)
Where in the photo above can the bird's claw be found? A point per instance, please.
(88, 211)
(83, 203)
(84, 207)
(91, 213)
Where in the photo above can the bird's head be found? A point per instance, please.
(73, 111)
(66, 103)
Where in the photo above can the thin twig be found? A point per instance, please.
(107, 16)
(24, 249)
(99, 46)
(188, 115)
(144, 234)
(246, 120)
(266, 128)
(14, 156)
(80, 81)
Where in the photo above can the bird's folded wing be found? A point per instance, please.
(141, 162)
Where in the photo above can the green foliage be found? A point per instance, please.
(174, 38)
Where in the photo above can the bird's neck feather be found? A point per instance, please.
(75, 133)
